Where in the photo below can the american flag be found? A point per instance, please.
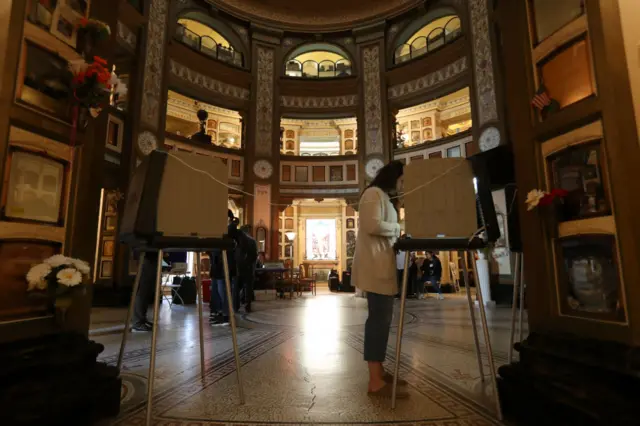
(541, 100)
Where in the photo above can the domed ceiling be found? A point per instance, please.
(315, 15)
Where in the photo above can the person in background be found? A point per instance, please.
(432, 272)
(219, 304)
(146, 291)
(375, 271)
(246, 259)
(400, 258)
(413, 276)
(261, 260)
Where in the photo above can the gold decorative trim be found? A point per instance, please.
(579, 136)
(567, 33)
(31, 231)
(596, 226)
(34, 142)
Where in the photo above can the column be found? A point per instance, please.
(262, 151)
(151, 108)
(488, 119)
(373, 120)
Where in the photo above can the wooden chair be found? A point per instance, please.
(306, 280)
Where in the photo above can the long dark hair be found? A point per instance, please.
(387, 179)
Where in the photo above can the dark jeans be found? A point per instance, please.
(376, 329)
(146, 288)
(246, 277)
(435, 284)
(219, 301)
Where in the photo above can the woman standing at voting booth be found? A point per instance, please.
(374, 270)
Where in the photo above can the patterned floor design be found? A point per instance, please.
(302, 364)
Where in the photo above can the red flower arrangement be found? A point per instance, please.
(91, 83)
(537, 197)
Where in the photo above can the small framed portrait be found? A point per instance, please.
(335, 173)
(415, 124)
(108, 247)
(110, 223)
(415, 136)
(64, 26)
(302, 174)
(351, 223)
(35, 189)
(115, 134)
(106, 269)
(427, 134)
(426, 121)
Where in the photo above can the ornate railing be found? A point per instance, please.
(437, 38)
(207, 46)
(313, 69)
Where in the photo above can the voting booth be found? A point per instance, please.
(177, 202)
(448, 207)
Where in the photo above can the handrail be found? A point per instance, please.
(423, 45)
(323, 69)
(208, 46)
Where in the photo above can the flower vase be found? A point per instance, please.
(549, 216)
(64, 300)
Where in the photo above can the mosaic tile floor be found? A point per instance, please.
(302, 364)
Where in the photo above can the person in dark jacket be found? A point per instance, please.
(246, 260)
(219, 303)
(432, 272)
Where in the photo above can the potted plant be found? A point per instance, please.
(58, 278)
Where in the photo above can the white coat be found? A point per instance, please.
(374, 261)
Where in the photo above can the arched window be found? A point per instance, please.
(201, 37)
(442, 26)
(318, 60)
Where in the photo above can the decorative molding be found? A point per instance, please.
(154, 63)
(126, 37)
(317, 102)
(483, 62)
(372, 99)
(208, 83)
(341, 191)
(430, 80)
(264, 103)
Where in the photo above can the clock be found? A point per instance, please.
(263, 169)
(147, 143)
(372, 167)
(489, 139)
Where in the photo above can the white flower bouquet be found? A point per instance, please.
(56, 277)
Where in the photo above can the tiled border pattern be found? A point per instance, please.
(208, 83)
(430, 80)
(317, 102)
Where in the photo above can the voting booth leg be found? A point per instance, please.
(467, 286)
(514, 306)
(154, 338)
(200, 302)
(487, 341)
(127, 324)
(403, 299)
(232, 319)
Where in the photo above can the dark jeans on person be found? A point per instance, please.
(146, 288)
(219, 301)
(246, 276)
(435, 284)
(376, 329)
